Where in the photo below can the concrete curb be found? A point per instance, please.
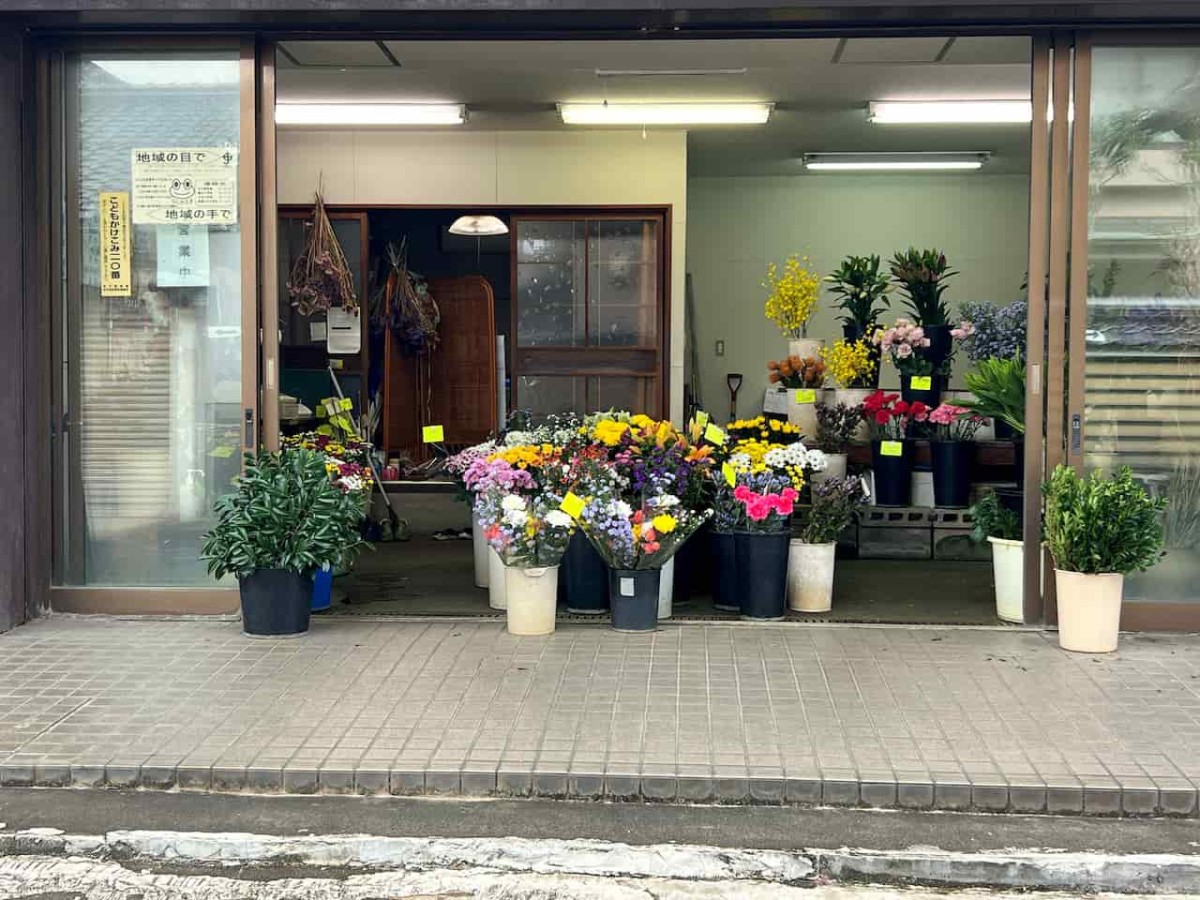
(1015, 869)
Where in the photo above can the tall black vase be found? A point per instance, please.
(762, 567)
(852, 333)
(893, 472)
(940, 342)
(583, 578)
(951, 472)
(725, 584)
(930, 396)
(693, 566)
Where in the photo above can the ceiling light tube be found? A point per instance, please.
(665, 113)
(370, 113)
(894, 162)
(949, 112)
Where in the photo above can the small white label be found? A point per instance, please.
(316, 331)
(626, 587)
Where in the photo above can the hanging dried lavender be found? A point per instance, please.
(320, 277)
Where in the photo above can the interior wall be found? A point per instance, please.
(516, 168)
(740, 224)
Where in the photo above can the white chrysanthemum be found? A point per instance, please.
(512, 502)
(517, 438)
(663, 501)
(516, 517)
(816, 461)
(556, 518)
(622, 509)
(740, 459)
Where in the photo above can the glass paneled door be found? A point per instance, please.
(588, 313)
(155, 323)
(1135, 349)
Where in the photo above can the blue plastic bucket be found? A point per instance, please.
(322, 594)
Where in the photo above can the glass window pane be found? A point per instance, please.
(1143, 322)
(543, 395)
(549, 284)
(634, 394)
(153, 380)
(623, 283)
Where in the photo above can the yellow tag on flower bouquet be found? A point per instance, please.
(891, 448)
(730, 474)
(433, 434)
(806, 395)
(572, 505)
(921, 383)
(713, 434)
(701, 418)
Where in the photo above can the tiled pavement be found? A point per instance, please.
(877, 716)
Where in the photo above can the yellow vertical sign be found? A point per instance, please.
(116, 279)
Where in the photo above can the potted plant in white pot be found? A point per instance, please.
(837, 426)
(790, 303)
(285, 520)
(811, 557)
(530, 536)
(1098, 531)
(1001, 528)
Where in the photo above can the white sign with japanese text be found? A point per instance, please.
(182, 252)
(185, 184)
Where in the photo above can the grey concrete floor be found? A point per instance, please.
(982, 719)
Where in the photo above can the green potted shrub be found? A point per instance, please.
(285, 520)
(1098, 530)
(1001, 527)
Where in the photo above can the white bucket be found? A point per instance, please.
(802, 415)
(480, 545)
(1089, 610)
(836, 468)
(666, 589)
(804, 347)
(810, 576)
(1008, 571)
(532, 596)
(496, 586)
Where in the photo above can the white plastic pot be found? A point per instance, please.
(480, 545)
(803, 347)
(836, 468)
(1089, 610)
(1008, 571)
(496, 582)
(532, 597)
(810, 576)
(666, 589)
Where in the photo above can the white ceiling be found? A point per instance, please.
(821, 88)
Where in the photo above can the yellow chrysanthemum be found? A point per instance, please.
(609, 432)
(664, 524)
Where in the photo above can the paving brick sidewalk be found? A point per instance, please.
(943, 718)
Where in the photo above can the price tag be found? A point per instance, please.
(701, 418)
(921, 383)
(806, 395)
(713, 434)
(433, 434)
(626, 587)
(891, 448)
(730, 475)
(572, 505)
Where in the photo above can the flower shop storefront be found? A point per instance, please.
(612, 350)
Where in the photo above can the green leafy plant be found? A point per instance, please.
(285, 514)
(999, 389)
(1181, 524)
(834, 503)
(1101, 525)
(922, 275)
(859, 286)
(993, 519)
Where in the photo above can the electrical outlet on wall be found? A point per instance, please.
(720, 348)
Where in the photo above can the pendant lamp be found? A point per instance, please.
(478, 226)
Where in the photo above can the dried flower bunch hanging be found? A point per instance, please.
(320, 277)
(405, 306)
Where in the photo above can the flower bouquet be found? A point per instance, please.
(853, 365)
(803, 377)
(792, 298)
(530, 536)
(891, 419)
(762, 428)
(951, 450)
(838, 425)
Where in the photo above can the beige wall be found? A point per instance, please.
(568, 168)
(739, 225)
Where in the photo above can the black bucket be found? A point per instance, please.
(940, 344)
(951, 473)
(762, 563)
(634, 597)
(725, 587)
(276, 602)
(930, 396)
(893, 474)
(693, 567)
(583, 578)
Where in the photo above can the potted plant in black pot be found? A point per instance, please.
(285, 520)
(890, 419)
(862, 289)
(951, 451)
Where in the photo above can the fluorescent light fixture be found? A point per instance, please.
(950, 112)
(478, 226)
(894, 162)
(665, 113)
(370, 113)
